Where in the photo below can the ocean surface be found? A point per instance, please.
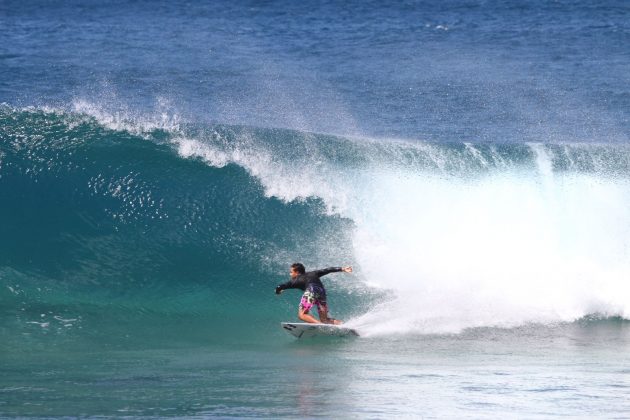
(163, 163)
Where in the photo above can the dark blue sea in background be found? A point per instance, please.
(163, 163)
(436, 71)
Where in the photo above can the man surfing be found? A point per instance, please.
(314, 292)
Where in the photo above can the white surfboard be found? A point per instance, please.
(305, 329)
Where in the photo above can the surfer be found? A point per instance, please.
(314, 292)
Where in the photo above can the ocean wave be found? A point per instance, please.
(173, 216)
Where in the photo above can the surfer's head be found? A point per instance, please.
(297, 269)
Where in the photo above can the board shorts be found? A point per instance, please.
(313, 295)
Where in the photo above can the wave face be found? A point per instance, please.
(108, 221)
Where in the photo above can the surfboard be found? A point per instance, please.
(305, 329)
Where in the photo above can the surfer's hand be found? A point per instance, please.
(278, 290)
(347, 269)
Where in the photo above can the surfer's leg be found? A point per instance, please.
(306, 317)
(322, 308)
(306, 303)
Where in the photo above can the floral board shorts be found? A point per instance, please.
(313, 295)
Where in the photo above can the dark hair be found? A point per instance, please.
(299, 267)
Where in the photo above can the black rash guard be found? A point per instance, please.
(303, 281)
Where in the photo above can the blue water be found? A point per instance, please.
(162, 165)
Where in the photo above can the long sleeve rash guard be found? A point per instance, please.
(304, 280)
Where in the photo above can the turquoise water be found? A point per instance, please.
(575, 370)
(162, 164)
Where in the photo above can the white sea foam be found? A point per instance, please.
(500, 251)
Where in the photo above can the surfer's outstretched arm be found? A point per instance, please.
(283, 286)
(325, 271)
